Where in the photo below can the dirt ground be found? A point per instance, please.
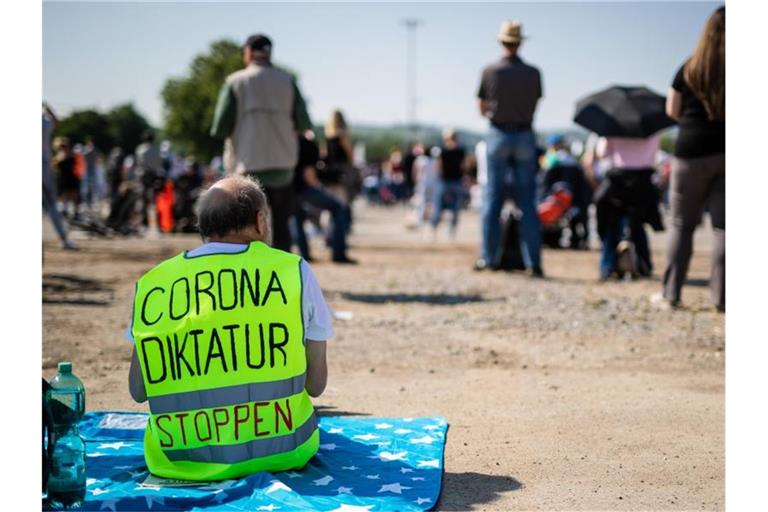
(561, 394)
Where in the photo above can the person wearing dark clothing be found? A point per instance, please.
(449, 188)
(509, 92)
(408, 160)
(309, 193)
(342, 179)
(697, 101)
(115, 172)
(627, 198)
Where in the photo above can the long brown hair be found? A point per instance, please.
(705, 71)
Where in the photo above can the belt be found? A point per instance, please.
(512, 127)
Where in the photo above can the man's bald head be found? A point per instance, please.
(232, 207)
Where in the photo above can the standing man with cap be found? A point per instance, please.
(259, 112)
(508, 94)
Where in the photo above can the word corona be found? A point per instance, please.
(208, 292)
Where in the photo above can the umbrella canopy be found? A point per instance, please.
(623, 112)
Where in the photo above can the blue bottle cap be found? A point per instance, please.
(65, 367)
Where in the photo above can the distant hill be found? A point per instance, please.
(380, 139)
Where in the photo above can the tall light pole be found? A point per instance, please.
(411, 24)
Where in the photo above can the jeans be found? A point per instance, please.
(512, 154)
(340, 216)
(611, 238)
(49, 200)
(447, 193)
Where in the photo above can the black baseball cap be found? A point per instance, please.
(259, 42)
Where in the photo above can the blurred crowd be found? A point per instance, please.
(557, 191)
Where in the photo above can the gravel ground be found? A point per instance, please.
(561, 394)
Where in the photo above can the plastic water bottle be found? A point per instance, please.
(66, 485)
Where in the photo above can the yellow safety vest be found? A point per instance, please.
(220, 341)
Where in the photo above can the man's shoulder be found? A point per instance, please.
(530, 67)
(240, 74)
(251, 72)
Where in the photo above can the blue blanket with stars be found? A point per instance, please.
(364, 464)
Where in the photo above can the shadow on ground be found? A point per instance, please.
(329, 410)
(435, 299)
(462, 491)
(74, 290)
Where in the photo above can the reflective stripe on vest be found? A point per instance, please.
(220, 342)
(231, 454)
(228, 395)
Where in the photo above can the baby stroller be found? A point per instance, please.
(571, 220)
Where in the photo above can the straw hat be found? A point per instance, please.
(511, 32)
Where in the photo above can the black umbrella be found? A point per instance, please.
(623, 112)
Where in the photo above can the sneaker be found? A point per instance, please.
(536, 272)
(660, 302)
(68, 245)
(481, 265)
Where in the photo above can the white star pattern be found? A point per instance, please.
(423, 437)
(323, 481)
(114, 446)
(395, 488)
(366, 437)
(110, 504)
(151, 499)
(277, 485)
(352, 508)
(389, 457)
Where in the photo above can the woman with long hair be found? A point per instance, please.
(338, 143)
(697, 101)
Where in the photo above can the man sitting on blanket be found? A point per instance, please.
(229, 347)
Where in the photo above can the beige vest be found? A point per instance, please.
(264, 136)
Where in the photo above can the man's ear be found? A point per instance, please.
(261, 223)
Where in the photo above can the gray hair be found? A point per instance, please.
(231, 205)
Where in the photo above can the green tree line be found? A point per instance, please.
(121, 126)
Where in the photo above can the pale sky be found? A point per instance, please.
(353, 55)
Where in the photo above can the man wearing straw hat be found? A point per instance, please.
(509, 91)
